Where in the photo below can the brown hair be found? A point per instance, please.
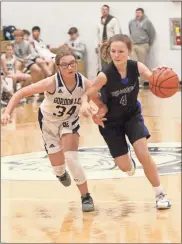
(63, 51)
(18, 33)
(105, 5)
(140, 9)
(105, 47)
(26, 32)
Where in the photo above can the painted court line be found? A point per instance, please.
(62, 201)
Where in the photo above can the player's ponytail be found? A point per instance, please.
(105, 51)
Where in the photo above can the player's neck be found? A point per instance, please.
(121, 67)
(69, 80)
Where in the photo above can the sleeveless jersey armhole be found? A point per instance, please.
(56, 84)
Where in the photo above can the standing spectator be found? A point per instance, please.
(75, 44)
(108, 27)
(42, 49)
(142, 34)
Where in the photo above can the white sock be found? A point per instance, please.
(158, 190)
(59, 170)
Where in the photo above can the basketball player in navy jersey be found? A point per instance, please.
(59, 119)
(120, 114)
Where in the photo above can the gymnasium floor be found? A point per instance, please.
(36, 208)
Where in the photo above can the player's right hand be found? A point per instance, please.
(5, 119)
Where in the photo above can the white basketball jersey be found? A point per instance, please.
(42, 50)
(63, 104)
(10, 64)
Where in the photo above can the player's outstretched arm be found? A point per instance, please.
(144, 71)
(92, 93)
(94, 90)
(47, 84)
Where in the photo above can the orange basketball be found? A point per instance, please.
(164, 83)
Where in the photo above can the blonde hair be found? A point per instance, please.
(105, 47)
(18, 33)
(62, 52)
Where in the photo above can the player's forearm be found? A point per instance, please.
(97, 100)
(13, 102)
(92, 94)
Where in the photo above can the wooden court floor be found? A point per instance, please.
(41, 211)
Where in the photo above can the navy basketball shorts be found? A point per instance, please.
(115, 134)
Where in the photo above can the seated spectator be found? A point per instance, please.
(10, 75)
(26, 56)
(75, 44)
(26, 35)
(42, 49)
(6, 93)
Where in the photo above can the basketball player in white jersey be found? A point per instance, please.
(59, 120)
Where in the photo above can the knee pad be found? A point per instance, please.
(59, 170)
(72, 162)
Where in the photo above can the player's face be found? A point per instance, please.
(119, 52)
(9, 51)
(67, 66)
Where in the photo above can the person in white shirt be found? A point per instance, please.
(77, 46)
(108, 27)
(9, 70)
(42, 49)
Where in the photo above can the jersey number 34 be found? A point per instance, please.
(62, 111)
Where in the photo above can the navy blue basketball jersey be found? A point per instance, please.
(120, 95)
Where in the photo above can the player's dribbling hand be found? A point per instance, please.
(5, 119)
(161, 67)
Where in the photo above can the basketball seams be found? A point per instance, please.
(162, 89)
(166, 80)
(159, 89)
(158, 78)
(167, 88)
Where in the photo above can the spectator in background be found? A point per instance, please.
(75, 44)
(108, 27)
(142, 34)
(6, 92)
(26, 56)
(26, 35)
(9, 73)
(42, 49)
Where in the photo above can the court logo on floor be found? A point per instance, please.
(97, 162)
